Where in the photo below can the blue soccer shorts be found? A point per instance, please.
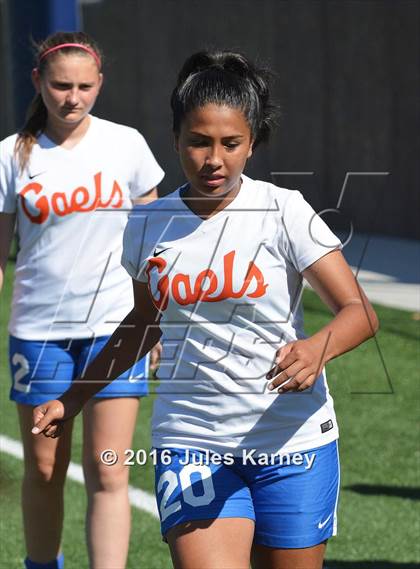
(44, 370)
(292, 499)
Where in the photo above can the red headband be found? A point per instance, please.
(78, 45)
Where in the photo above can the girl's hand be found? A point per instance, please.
(298, 364)
(155, 355)
(50, 416)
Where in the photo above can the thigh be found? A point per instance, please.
(223, 543)
(108, 424)
(271, 558)
(40, 370)
(132, 383)
(295, 499)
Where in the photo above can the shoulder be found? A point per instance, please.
(151, 219)
(116, 130)
(265, 194)
(7, 146)
(146, 223)
(157, 212)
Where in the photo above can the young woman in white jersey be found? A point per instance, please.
(244, 426)
(68, 180)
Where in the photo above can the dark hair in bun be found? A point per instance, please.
(225, 78)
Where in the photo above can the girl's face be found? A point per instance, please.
(214, 144)
(69, 86)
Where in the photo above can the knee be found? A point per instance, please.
(45, 472)
(104, 478)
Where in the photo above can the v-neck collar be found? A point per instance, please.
(235, 204)
(45, 142)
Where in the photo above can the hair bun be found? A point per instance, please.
(235, 63)
(228, 61)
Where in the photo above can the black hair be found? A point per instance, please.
(225, 78)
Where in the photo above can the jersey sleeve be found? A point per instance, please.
(7, 179)
(147, 173)
(304, 236)
(132, 254)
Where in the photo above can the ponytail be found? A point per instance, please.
(35, 123)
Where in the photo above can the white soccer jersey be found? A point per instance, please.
(229, 291)
(72, 207)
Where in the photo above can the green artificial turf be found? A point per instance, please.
(377, 397)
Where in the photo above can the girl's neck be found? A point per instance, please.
(206, 208)
(65, 135)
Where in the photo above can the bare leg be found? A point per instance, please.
(45, 466)
(271, 558)
(224, 543)
(108, 424)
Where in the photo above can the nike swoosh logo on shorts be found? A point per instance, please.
(136, 378)
(322, 524)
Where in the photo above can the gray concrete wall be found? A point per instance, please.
(348, 78)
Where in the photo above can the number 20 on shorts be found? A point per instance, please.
(169, 478)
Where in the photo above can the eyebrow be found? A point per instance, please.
(231, 136)
(62, 82)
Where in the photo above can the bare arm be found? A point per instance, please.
(133, 338)
(355, 319)
(299, 363)
(7, 226)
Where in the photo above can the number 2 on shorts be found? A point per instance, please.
(23, 369)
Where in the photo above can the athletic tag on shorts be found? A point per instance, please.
(326, 426)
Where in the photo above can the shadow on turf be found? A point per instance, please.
(411, 493)
(369, 565)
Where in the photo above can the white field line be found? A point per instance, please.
(138, 498)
